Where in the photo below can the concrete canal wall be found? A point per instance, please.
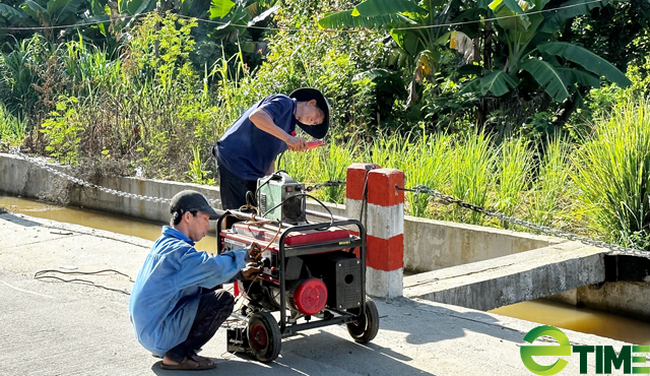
(428, 244)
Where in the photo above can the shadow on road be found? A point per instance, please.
(426, 323)
(17, 220)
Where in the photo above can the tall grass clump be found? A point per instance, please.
(334, 166)
(612, 170)
(472, 166)
(547, 198)
(320, 165)
(19, 77)
(426, 163)
(302, 166)
(12, 129)
(514, 169)
(389, 151)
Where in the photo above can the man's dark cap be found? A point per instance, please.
(306, 94)
(188, 200)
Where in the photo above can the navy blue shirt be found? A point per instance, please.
(248, 151)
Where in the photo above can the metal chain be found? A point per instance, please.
(543, 229)
(84, 183)
(329, 183)
(335, 183)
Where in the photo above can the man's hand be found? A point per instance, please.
(296, 143)
(253, 252)
(251, 270)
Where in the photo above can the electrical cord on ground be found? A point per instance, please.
(41, 275)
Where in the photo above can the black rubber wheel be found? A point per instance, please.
(264, 337)
(365, 328)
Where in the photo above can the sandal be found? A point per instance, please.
(193, 363)
(160, 357)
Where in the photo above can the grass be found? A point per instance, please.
(612, 171)
(426, 163)
(471, 178)
(551, 185)
(514, 167)
(12, 129)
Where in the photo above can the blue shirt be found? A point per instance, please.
(248, 151)
(166, 293)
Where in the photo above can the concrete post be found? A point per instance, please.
(384, 221)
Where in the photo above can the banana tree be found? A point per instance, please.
(236, 17)
(533, 51)
(412, 25)
(88, 14)
(42, 13)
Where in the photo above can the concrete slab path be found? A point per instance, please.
(55, 328)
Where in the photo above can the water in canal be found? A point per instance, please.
(100, 221)
(541, 311)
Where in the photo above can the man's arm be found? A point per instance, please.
(264, 121)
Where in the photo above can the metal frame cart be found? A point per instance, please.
(313, 274)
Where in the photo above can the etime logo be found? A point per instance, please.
(605, 356)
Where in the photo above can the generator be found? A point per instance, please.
(313, 271)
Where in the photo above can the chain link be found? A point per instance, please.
(543, 229)
(84, 183)
(329, 183)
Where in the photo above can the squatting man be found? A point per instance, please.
(177, 303)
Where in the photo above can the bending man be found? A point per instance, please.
(248, 149)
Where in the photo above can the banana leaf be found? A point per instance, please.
(264, 15)
(497, 82)
(220, 8)
(16, 17)
(555, 20)
(344, 19)
(33, 9)
(373, 8)
(63, 6)
(63, 11)
(587, 59)
(547, 77)
(577, 76)
(135, 7)
(510, 15)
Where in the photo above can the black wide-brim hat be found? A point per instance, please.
(306, 94)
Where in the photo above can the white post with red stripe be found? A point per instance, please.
(384, 222)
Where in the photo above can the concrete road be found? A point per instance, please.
(54, 328)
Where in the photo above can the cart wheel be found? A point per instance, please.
(366, 327)
(264, 338)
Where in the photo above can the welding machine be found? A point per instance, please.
(278, 198)
(313, 273)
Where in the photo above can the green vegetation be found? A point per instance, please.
(12, 129)
(514, 114)
(612, 172)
